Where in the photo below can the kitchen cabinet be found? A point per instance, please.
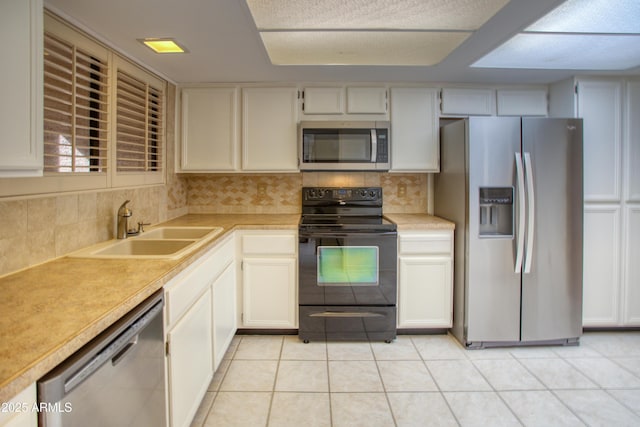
(468, 102)
(210, 129)
(602, 266)
(522, 102)
(224, 312)
(415, 143)
(200, 323)
(425, 279)
(353, 100)
(269, 129)
(21, 75)
(608, 107)
(18, 412)
(269, 280)
(631, 313)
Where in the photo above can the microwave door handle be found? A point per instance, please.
(374, 146)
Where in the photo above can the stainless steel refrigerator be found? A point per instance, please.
(513, 187)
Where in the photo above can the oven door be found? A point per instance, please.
(347, 268)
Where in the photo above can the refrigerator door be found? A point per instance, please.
(493, 286)
(552, 290)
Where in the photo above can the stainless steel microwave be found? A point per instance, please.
(343, 145)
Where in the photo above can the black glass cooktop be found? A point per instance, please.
(337, 222)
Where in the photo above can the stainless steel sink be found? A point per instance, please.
(157, 243)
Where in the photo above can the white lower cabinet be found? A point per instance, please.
(601, 271)
(425, 279)
(224, 313)
(190, 355)
(200, 319)
(269, 280)
(19, 411)
(631, 316)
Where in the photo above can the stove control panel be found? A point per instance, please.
(342, 193)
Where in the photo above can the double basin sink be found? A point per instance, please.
(158, 243)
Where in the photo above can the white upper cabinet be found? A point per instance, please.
(323, 100)
(351, 100)
(21, 87)
(415, 145)
(600, 105)
(522, 102)
(269, 129)
(210, 129)
(468, 102)
(632, 153)
(366, 100)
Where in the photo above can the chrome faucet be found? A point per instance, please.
(124, 213)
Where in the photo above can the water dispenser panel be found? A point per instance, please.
(496, 212)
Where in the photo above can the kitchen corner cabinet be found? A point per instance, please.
(415, 144)
(340, 100)
(210, 129)
(468, 102)
(21, 74)
(269, 129)
(199, 323)
(425, 279)
(18, 412)
(269, 280)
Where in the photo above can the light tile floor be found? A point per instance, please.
(425, 380)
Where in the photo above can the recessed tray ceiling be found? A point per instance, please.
(367, 32)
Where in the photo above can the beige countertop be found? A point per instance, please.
(420, 222)
(49, 311)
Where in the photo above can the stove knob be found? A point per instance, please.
(363, 193)
(372, 193)
(320, 193)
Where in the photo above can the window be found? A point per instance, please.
(75, 108)
(139, 125)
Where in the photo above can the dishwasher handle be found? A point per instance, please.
(114, 350)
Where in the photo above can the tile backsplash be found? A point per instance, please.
(280, 193)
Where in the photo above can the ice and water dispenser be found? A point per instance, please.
(496, 212)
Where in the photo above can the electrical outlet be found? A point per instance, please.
(262, 189)
(402, 190)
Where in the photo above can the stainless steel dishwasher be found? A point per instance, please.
(117, 379)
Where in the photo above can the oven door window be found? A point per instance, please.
(348, 266)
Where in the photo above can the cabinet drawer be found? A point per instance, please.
(426, 243)
(269, 244)
(187, 286)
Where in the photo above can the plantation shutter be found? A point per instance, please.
(140, 127)
(75, 108)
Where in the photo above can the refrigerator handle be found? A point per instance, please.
(528, 255)
(521, 213)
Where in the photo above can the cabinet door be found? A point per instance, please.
(189, 362)
(323, 100)
(25, 416)
(21, 74)
(600, 105)
(366, 100)
(425, 292)
(415, 145)
(468, 102)
(632, 140)
(209, 129)
(224, 313)
(632, 270)
(269, 129)
(269, 292)
(601, 271)
(525, 102)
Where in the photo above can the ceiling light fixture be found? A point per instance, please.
(163, 45)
